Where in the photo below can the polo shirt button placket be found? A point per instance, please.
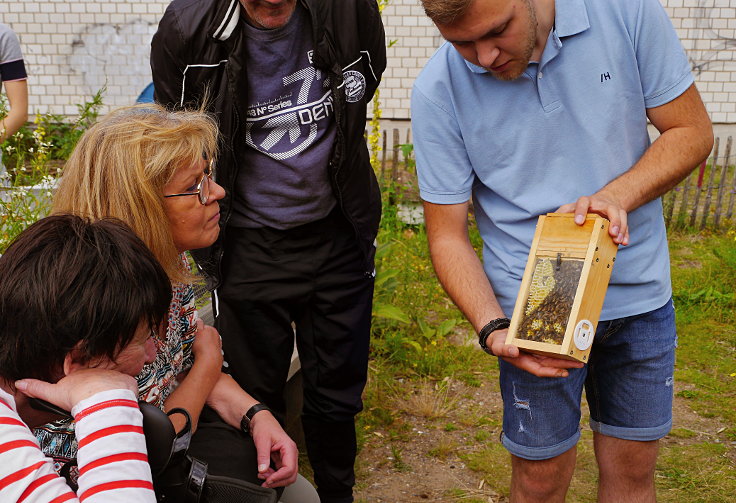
(547, 96)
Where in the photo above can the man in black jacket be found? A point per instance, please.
(288, 82)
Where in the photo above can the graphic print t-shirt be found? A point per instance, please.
(289, 130)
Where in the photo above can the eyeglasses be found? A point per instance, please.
(203, 186)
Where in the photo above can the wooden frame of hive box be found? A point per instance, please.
(563, 287)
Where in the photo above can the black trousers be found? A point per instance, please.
(313, 277)
(227, 451)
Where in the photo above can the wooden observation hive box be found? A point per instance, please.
(563, 287)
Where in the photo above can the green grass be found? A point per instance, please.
(699, 472)
(412, 314)
(704, 282)
(414, 341)
(492, 460)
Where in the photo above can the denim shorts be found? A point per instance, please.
(628, 384)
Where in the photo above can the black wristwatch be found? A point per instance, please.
(491, 326)
(248, 417)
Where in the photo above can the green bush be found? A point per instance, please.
(34, 158)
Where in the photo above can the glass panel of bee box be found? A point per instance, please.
(551, 294)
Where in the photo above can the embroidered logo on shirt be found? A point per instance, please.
(605, 76)
(354, 85)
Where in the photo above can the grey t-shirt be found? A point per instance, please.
(11, 68)
(289, 130)
(11, 59)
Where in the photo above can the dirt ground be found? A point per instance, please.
(422, 474)
(426, 461)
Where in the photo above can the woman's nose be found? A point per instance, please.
(216, 191)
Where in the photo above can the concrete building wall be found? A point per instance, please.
(707, 29)
(72, 48)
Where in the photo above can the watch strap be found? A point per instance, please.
(248, 416)
(488, 329)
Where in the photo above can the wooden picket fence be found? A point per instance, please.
(705, 199)
(391, 165)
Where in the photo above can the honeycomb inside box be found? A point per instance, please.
(549, 303)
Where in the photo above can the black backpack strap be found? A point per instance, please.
(195, 481)
(176, 477)
(179, 478)
(180, 443)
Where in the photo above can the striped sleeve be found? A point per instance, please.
(26, 475)
(113, 465)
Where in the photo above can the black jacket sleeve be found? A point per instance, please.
(167, 64)
(372, 39)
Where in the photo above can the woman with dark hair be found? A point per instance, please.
(153, 169)
(79, 304)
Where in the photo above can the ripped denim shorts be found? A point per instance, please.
(628, 385)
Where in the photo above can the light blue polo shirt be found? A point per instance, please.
(569, 125)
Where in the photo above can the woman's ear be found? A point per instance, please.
(75, 360)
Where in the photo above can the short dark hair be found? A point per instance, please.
(445, 11)
(66, 280)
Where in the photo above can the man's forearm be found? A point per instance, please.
(460, 271)
(462, 276)
(458, 267)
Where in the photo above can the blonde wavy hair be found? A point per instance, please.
(121, 164)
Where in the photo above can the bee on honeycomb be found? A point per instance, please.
(551, 294)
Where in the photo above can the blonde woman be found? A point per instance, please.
(153, 169)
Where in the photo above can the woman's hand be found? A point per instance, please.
(77, 386)
(273, 444)
(207, 345)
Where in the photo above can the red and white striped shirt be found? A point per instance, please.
(113, 464)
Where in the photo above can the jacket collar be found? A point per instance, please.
(228, 14)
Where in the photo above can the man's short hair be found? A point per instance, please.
(65, 281)
(445, 11)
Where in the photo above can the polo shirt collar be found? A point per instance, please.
(571, 18)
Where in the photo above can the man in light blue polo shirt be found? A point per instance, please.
(536, 106)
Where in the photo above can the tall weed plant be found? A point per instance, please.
(413, 321)
(33, 158)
